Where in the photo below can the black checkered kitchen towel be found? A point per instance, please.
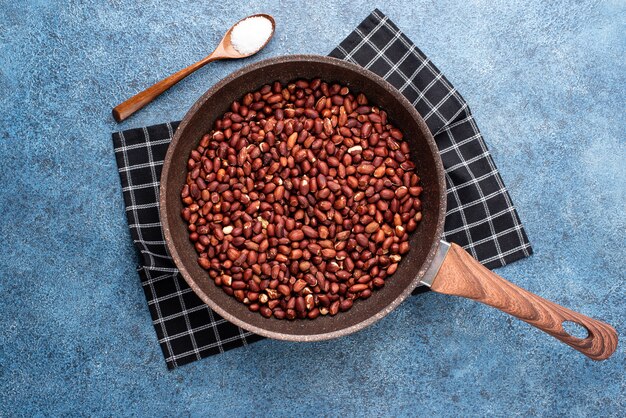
(480, 214)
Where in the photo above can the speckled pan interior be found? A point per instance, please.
(424, 240)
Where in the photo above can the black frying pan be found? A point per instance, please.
(445, 268)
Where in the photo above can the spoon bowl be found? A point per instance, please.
(226, 50)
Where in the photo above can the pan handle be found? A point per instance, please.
(461, 275)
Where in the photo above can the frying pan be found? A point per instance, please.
(445, 268)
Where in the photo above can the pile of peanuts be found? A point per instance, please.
(301, 199)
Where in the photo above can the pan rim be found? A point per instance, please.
(163, 210)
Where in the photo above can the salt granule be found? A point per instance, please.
(250, 34)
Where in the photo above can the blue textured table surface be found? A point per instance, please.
(546, 82)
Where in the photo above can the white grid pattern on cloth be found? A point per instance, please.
(480, 214)
(472, 178)
(187, 329)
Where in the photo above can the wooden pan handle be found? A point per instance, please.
(461, 275)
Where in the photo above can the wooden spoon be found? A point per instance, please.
(224, 50)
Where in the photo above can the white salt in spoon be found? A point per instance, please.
(245, 38)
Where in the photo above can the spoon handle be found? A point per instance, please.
(138, 101)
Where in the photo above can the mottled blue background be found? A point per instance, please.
(546, 82)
